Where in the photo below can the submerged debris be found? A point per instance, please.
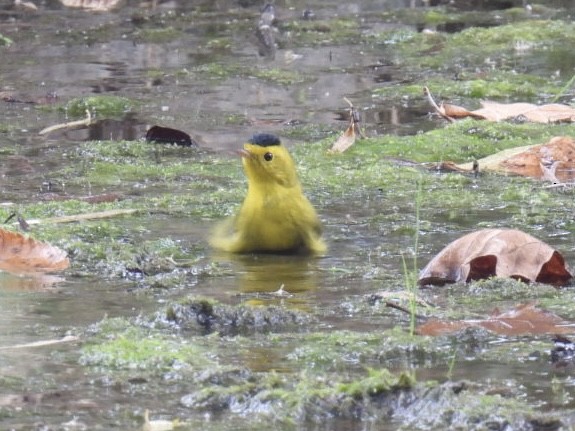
(265, 32)
(166, 135)
(564, 351)
(210, 316)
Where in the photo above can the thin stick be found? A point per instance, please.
(563, 90)
(391, 304)
(354, 119)
(80, 217)
(66, 339)
(437, 108)
(85, 122)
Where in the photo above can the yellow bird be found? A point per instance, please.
(275, 216)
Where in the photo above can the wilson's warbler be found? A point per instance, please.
(275, 216)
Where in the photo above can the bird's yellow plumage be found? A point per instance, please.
(275, 216)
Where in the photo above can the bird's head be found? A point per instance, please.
(266, 160)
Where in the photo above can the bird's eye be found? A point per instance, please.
(268, 156)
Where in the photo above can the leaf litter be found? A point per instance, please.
(496, 252)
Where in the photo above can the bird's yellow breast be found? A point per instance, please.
(275, 215)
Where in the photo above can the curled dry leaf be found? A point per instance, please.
(553, 161)
(21, 254)
(523, 319)
(345, 140)
(496, 252)
(493, 111)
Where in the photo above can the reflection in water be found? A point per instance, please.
(267, 278)
(29, 282)
(266, 273)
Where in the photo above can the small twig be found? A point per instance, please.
(559, 185)
(437, 108)
(392, 304)
(563, 90)
(81, 217)
(10, 217)
(282, 292)
(66, 339)
(85, 122)
(354, 119)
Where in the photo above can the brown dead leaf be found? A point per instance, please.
(553, 161)
(493, 111)
(559, 152)
(21, 254)
(496, 252)
(345, 140)
(523, 319)
(454, 111)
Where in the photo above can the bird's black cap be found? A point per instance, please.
(264, 140)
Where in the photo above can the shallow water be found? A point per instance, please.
(72, 53)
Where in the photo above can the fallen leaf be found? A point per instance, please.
(553, 161)
(496, 252)
(493, 111)
(166, 135)
(345, 140)
(523, 319)
(21, 254)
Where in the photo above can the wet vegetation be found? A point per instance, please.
(283, 342)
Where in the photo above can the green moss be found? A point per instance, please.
(157, 35)
(5, 40)
(338, 350)
(216, 70)
(275, 75)
(537, 31)
(220, 44)
(432, 17)
(5, 128)
(121, 345)
(278, 76)
(100, 106)
(462, 141)
(377, 382)
(322, 32)
(493, 84)
(483, 294)
(501, 44)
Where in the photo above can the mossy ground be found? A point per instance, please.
(336, 373)
(329, 355)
